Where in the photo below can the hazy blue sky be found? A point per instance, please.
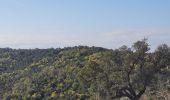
(106, 23)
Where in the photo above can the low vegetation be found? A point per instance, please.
(86, 73)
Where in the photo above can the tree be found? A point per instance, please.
(127, 73)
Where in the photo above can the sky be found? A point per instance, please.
(103, 23)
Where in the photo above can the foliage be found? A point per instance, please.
(81, 73)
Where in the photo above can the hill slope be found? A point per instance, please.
(42, 73)
(56, 73)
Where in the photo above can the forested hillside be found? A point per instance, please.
(86, 73)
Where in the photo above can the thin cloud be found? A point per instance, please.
(113, 39)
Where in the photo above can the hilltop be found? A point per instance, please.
(82, 72)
